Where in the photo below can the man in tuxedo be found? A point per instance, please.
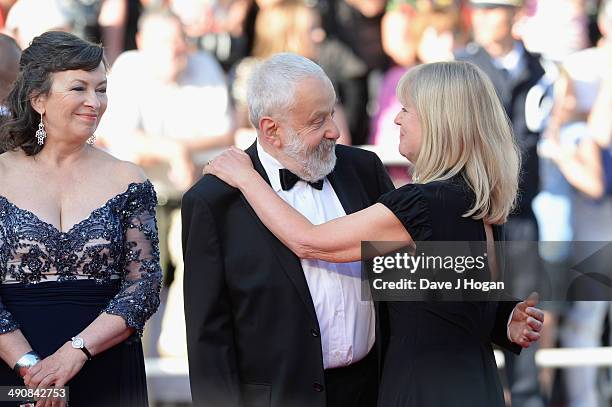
(265, 328)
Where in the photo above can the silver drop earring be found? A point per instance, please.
(91, 140)
(41, 134)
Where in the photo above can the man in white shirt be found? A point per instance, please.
(168, 107)
(265, 328)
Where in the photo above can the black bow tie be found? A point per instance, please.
(288, 180)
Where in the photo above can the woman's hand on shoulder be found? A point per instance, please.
(233, 166)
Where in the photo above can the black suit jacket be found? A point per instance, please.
(252, 333)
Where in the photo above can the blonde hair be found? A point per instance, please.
(464, 128)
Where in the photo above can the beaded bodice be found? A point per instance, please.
(116, 241)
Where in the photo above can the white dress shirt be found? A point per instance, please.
(347, 323)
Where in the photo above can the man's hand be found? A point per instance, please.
(527, 322)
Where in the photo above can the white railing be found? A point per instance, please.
(168, 378)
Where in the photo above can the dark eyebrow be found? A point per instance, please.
(85, 82)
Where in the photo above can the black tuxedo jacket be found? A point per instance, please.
(252, 333)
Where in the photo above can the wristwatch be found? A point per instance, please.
(79, 343)
(25, 362)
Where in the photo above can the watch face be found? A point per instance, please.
(77, 343)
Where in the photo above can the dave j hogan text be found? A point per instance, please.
(426, 284)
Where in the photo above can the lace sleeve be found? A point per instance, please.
(138, 297)
(7, 321)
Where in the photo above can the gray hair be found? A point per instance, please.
(272, 85)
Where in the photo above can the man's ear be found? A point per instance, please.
(38, 103)
(269, 131)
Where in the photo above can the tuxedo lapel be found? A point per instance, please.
(347, 188)
(252, 152)
(289, 262)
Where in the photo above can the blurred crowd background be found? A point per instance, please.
(177, 96)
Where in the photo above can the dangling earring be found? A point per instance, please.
(41, 134)
(91, 140)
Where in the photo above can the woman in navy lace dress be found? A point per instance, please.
(79, 260)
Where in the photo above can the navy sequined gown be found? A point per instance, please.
(54, 284)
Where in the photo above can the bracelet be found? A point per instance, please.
(25, 362)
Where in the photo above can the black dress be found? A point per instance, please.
(54, 284)
(439, 353)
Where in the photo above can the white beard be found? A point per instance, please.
(315, 164)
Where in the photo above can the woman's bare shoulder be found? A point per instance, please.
(123, 172)
(15, 169)
(10, 161)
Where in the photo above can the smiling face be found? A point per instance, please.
(309, 134)
(75, 103)
(410, 131)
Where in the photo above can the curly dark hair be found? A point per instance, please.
(53, 51)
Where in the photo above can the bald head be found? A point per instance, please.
(9, 64)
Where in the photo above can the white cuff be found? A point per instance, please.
(508, 325)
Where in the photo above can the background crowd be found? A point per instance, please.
(177, 96)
